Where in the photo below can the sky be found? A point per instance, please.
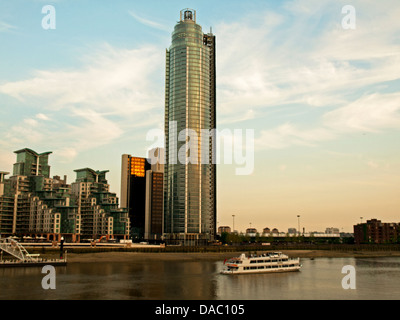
(322, 99)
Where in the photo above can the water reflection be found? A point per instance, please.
(141, 280)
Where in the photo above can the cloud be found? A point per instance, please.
(4, 27)
(42, 116)
(113, 92)
(118, 81)
(149, 23)
(288, 135)
(371, 113)
(372, 164)
(299, 57)
(295, 58)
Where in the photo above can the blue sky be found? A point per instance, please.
(323, 101)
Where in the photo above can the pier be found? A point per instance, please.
(22, 258)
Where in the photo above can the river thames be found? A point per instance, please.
(319, 279)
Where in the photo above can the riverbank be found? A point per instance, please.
(196, 256)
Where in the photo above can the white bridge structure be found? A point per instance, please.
(15, 249)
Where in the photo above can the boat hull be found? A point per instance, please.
(272, 270)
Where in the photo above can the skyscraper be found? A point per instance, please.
(190, 103)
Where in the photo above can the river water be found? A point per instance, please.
(321, 278)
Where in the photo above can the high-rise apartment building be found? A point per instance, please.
(98, 213)
(133, 192)
(190, 110)
(154, 205)
(33, 204)
(142, 187)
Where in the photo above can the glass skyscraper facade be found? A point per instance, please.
(190, 172)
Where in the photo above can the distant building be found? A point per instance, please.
(332, 230)
(223, 229)
(292, 231)
(375, 231)
(251, 232)
(266, 231)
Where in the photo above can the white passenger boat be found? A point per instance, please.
(264, 263)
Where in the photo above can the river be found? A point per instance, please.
(321, 278)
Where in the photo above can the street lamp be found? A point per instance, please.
(298, 218)
(233, 223)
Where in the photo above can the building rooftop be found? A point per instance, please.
(32, 152)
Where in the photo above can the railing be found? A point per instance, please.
(15, 249)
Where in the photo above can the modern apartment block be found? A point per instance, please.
(98, 212)
(33, 204)
(133, 192)
(190, 108)
(142, 194)
(154, 205)
(376, 231)
(6, 206)
(224, 229)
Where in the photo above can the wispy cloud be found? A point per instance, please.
(149, 22)
(113, 92)
(371, 113)
(4, 27)
(287, 135)
(301, 56)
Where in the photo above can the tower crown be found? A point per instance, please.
(188, 15)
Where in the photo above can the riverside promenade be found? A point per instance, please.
(118, 252)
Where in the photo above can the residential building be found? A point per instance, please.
(98, 212)
(142, 194)
(33, 204)
(190, 110)
(6, 206)
(154, 205)
(223, 229)
(332, 230)
(133, 192)
(252, 232)
(376, 231)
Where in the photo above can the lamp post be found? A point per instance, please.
(233, 223)
(298, 220)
